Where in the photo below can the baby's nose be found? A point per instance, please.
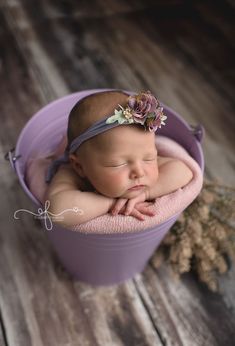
(137, 171)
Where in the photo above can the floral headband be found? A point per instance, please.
(142, 109)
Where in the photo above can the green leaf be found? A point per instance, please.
(112, 119)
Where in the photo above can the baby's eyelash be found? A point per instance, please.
(119, 165)
(152, 159)
(122, 164)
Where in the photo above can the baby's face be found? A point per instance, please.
(118, 160)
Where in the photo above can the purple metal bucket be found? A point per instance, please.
(98, 259)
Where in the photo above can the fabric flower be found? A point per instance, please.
(142, 109)
(141, 105)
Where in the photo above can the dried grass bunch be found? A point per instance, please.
(203, 238)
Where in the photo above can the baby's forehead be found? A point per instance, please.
(125, 132)
(124, 139)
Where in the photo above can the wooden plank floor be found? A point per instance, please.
(183, 51)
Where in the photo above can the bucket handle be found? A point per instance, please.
(10, 156)
(198, 131)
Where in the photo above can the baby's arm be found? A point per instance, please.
(173, 174)
(65, 192)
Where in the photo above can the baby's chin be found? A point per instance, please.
(132, 193)
(127, 194)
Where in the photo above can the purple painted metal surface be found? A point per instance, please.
(105, 259)
(99, 259)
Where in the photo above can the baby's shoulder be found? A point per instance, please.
(65, 179)
(162, 160)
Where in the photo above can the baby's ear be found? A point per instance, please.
(77, 166)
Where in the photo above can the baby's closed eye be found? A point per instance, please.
(115, 164)
(149, 159)
(121, 164)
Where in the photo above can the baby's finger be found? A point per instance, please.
(135, 213)
(118, 206)
(146, 211)
(130, 206)
(143, 204)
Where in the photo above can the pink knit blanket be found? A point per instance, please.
(165, 206)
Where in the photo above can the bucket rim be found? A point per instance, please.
(71, 96)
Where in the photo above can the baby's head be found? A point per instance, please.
(124, 156)
(92, 108)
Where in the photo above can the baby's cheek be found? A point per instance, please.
(117, 179)
(115, 182)
(154, 174)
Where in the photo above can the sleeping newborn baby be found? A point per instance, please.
(111, 164)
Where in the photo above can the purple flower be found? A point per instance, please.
(144, 109)
(153, 124)
(157, 120)
(141, 105)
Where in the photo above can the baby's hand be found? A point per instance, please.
(138, 210)
(141, 209)
(132, 202)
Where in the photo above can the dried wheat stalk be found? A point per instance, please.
(203, 238)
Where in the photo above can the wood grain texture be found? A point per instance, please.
(184, 53)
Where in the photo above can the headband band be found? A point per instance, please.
(143, 109)
(97, 128)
